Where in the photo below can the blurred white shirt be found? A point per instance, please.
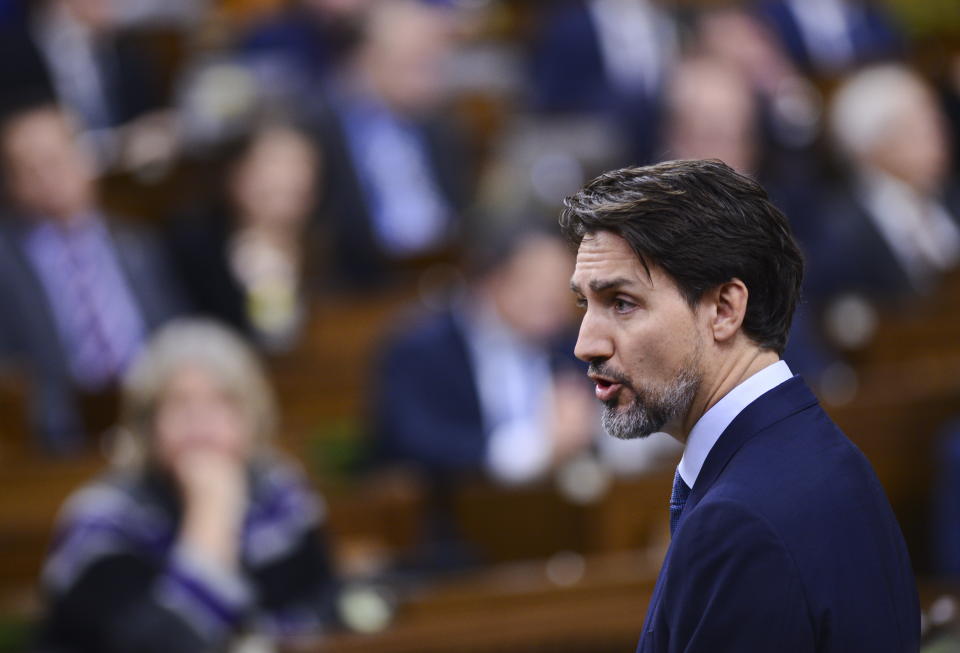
(514, 382)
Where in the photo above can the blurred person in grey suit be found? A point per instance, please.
(895, 223)
(81, 291)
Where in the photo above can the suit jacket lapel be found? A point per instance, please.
(788, 398)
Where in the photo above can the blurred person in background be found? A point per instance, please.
(789, 103)
(294, 50)
(829, 37)
(81, 290)
(395, 180)
(483, 387)
(246, 259)
(713, 112)
(893, 229)
(606, 57)
(75, 53)
(200, 532)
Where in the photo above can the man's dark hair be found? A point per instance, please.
(704, 224)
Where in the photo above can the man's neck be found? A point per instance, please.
(730, 373)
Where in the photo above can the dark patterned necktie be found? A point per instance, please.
(678, 499)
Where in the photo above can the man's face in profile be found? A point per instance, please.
(639, 335)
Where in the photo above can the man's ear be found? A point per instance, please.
(729, 309)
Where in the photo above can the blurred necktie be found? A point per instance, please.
(678, 499)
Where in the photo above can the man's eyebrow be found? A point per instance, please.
(602, 285)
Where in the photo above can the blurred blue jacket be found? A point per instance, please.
(427, 405)
(871, 32)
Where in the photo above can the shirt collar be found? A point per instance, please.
(714, 422)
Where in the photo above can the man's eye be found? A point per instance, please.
(581, 302)
(622, 305)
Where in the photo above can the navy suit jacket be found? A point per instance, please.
(787, 543)
(856, 258)
(428, 409)
(427, 406)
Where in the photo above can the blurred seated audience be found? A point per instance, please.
(712, 112)
(490, 385)
(293, 50)
(74, 52)
(829, 37)
(893, 230)
(200, 533)
(81, 290)
(395, 178)
(245, 259)
(605, 56)
(790, 105)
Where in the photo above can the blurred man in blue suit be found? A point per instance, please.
(484, 386)
(782, 537)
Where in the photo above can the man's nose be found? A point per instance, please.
(593, 341)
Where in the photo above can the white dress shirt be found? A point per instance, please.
(714, 422)
(514, 384)
(918, 229)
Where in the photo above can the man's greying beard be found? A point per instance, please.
(650, 409)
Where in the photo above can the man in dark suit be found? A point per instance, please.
(80, 291)
(895, 229)
(605, 58)
(394, 177)
(782, 537)
(483, 387)
(76, 53)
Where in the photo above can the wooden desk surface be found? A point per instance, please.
(521, 607)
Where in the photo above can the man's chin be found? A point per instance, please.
(618, 422)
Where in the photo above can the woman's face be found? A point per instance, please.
(195, 413)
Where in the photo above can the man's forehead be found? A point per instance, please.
(605, 257)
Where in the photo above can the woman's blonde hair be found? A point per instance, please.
(201, 344)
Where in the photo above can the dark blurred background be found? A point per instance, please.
(367, 192)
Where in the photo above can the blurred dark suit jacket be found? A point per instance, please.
(568, 75)
(787, 543)
(854, 257)
(29, 335)
(427, 404)
(132, 83)
(358, 259)
(872, 33)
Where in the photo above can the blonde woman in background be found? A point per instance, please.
(198, 534)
